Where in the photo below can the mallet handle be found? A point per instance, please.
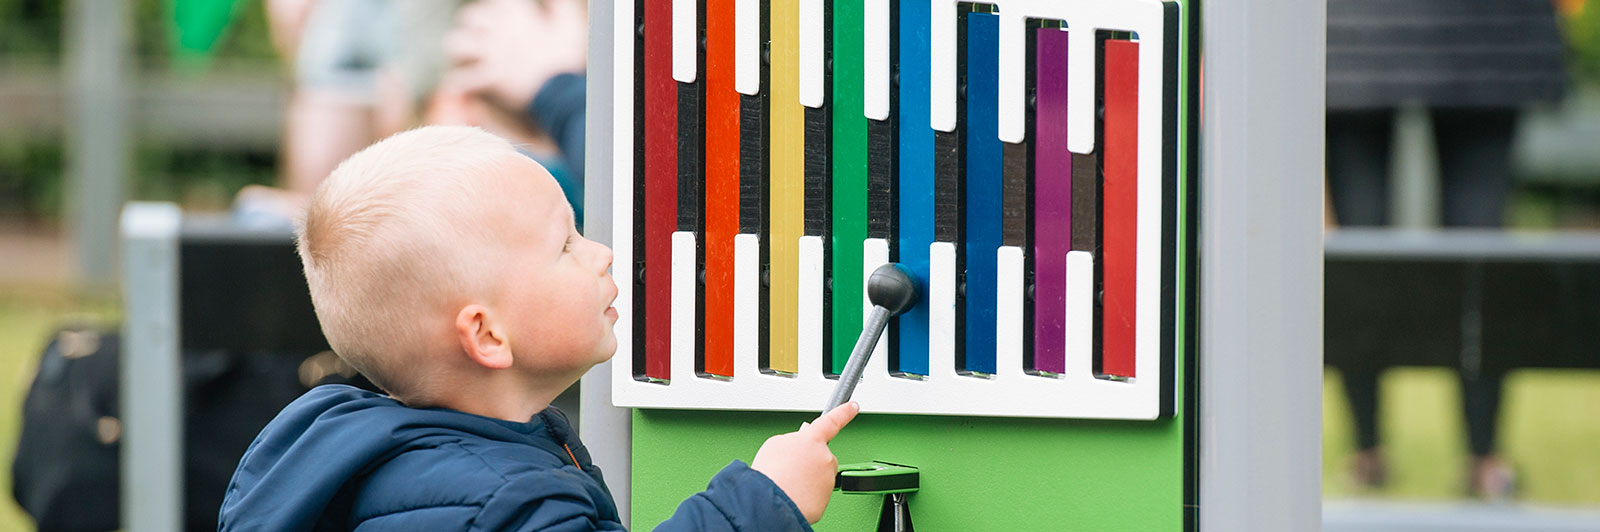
(876, 321)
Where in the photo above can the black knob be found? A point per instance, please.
(892, 288)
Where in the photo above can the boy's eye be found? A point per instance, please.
(567, 247)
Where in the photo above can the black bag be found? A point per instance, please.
(66, 472)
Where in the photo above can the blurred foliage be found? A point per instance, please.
(32, 184)
(1581, 24)
(199, 178)
(31, 27)
(34, 27)
(30, 177)
(31, 168)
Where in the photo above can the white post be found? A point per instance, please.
(1260, 181)
(607, 430)
(150, 373)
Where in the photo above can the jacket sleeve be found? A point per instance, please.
(738, 499)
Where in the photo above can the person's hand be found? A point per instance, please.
(801, 464)
(506, 49)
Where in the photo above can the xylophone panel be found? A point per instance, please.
(849, 182)
(722, 117)
(787, 200)
(1052, 200)
(982, 194)
(1121, 201)
(915, 173)
(971, 197)
(661, 186)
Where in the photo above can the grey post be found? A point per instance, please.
(97, 40)
(150, 375)
(1260, 251)
(606, 429)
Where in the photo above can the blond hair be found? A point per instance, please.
(387, 245)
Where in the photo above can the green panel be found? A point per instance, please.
(977, 473)
(849, 178)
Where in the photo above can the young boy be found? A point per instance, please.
(446, 268)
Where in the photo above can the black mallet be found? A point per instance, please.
(891, 291)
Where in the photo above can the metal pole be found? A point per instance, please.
(606, 429)
(97, 41)
(1261, 144)
(151, 384)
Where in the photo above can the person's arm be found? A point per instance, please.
(558, 109)
(737, 499)
(792, 472)
(786, 490)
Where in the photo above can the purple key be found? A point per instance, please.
(1052, 201)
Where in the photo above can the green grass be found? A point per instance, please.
(28, 314)
(1549, 430)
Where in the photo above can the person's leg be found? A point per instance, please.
(1474, 164)
(1480, 401)
(1475, 175)
(1361, 389)
(1490, 476)
(1358, 165)
(1358, 183)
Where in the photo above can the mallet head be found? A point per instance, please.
(892, 288)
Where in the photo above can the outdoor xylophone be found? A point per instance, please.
(1018, 157)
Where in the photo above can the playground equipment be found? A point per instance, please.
(765, 156)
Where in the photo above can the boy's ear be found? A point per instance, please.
(482, 337)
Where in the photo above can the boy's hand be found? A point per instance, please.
(801, 464)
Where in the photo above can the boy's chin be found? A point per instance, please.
(607, 351)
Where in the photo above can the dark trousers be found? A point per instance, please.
(1474, 148)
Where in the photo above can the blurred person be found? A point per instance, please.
(1474, 65)
(357, 67)
(365, 69)
(527, 58)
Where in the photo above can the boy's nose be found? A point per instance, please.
(605, 255)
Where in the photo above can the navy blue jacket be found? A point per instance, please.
(340, 458)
